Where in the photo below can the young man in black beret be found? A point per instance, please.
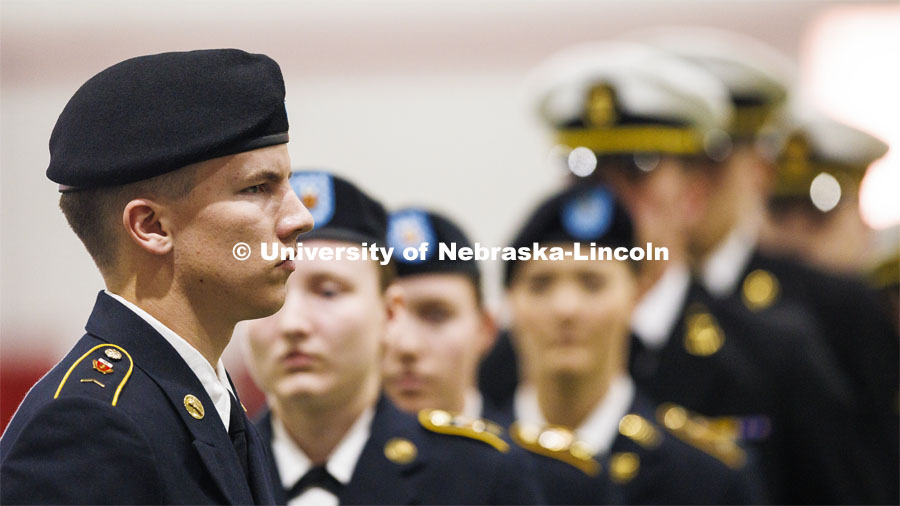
(164, 162)
(334, 437)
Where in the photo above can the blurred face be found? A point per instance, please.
(239, 198)
(663, 202)
(432, 355)
(733, 193)
(571, 317)
(325, 343)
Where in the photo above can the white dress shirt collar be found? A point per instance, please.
(474, 404)
(214, 381)
(293, 463)
(601, 427)
(657, 312)
(722, 269)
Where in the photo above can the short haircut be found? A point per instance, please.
(94, 214)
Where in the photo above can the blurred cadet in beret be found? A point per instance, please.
(431, 356)
(690, 347)
(570, 327)
(164, 162)
(334, 437)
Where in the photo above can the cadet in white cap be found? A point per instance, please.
(656, 127)
(813, 213)
(813, 216)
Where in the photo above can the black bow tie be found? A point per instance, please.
(317, 476)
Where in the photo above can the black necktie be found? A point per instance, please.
(317, 476)
(238, 433)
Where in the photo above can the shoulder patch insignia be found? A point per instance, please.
(696, 431)
(640, 430)
(557, 443)
(445, 422)
(94, 370)
(760, 290)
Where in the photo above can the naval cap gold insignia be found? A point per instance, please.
(193, 406)
(400, 450)
(601, 105)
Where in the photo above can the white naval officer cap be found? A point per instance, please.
(758, 77)
(617, 97)
(816, 155)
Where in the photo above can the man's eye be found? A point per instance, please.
(329, 290)
(259, 188)
(538, 284)
(593, 283)
(434, 315)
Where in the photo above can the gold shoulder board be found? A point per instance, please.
(557, 443)
(698, 432)
(445, 422)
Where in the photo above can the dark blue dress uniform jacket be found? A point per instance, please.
(669, 471)
(68, 443)
(447, 469)
(865, 343)
(779, 385)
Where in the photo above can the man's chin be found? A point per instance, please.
(263, 303)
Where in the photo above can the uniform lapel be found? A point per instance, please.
(114, 323)
(264, 426)
(378, 480)
(262, 481)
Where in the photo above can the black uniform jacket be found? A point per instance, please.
(848, 316)
(122, 419)
(447, 469)
(771, 382)
(653, 466)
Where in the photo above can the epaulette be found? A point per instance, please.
(760, 290)
(557, 443)
(624, 466)
(444, 422)
(738, 428)
(105, 367)
(640, 430)
(696, 431)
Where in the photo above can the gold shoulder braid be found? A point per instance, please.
(444, 422)
(557, 443)
(640, 430)
(698, 432)
(105, 366)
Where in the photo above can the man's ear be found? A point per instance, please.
(488, 331)
(395, 301)
(143, 219)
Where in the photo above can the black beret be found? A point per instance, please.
(150, 115)
(340, 210)
(581, 213)
(411, 227)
